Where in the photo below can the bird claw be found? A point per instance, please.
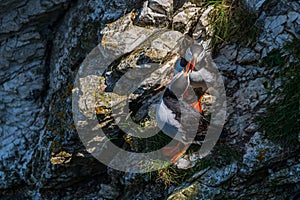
(178, 155)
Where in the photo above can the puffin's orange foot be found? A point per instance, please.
(171, 150)
(178, 155)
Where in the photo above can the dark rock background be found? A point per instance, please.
(43, 43)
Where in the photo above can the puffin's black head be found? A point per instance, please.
(196, 49)
(195, 53)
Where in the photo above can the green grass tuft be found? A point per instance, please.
(221, 156)
(231, 22)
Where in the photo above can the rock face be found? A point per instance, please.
(254, 5)
(43, 45)
(40, 42)
(25, 41)
(155, 12)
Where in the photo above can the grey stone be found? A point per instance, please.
(234, 129)
(249, 92)
(258, 151)
(204, 17)
(183, 163)
(278, 21)
(183, 18)
(108, 192)
(205, 189)
(289, 175)
(272, 47)
(230, 52)
(292, 16)
(267, 22)
(240, 70)
(298, 20)
(202, 28)
(264, 53)
(254, 5)
(155, 13)
(232, 84)
(282, 39)
(247, 56)
(258, 48)
(254, 104)
(276, 31)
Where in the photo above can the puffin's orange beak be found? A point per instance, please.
(193, 62)
(190, 66)
(187, 69)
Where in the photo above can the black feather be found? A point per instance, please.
(188, 120)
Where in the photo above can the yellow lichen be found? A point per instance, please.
(261, 154)
(60, 114)
(61, 158)
(129, 139)
(101, 110)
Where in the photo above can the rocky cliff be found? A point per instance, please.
(45, 43)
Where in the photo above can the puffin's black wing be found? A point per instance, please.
(193, 124)
(171, 101)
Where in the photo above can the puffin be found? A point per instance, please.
(195, 59)
(178, 119)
